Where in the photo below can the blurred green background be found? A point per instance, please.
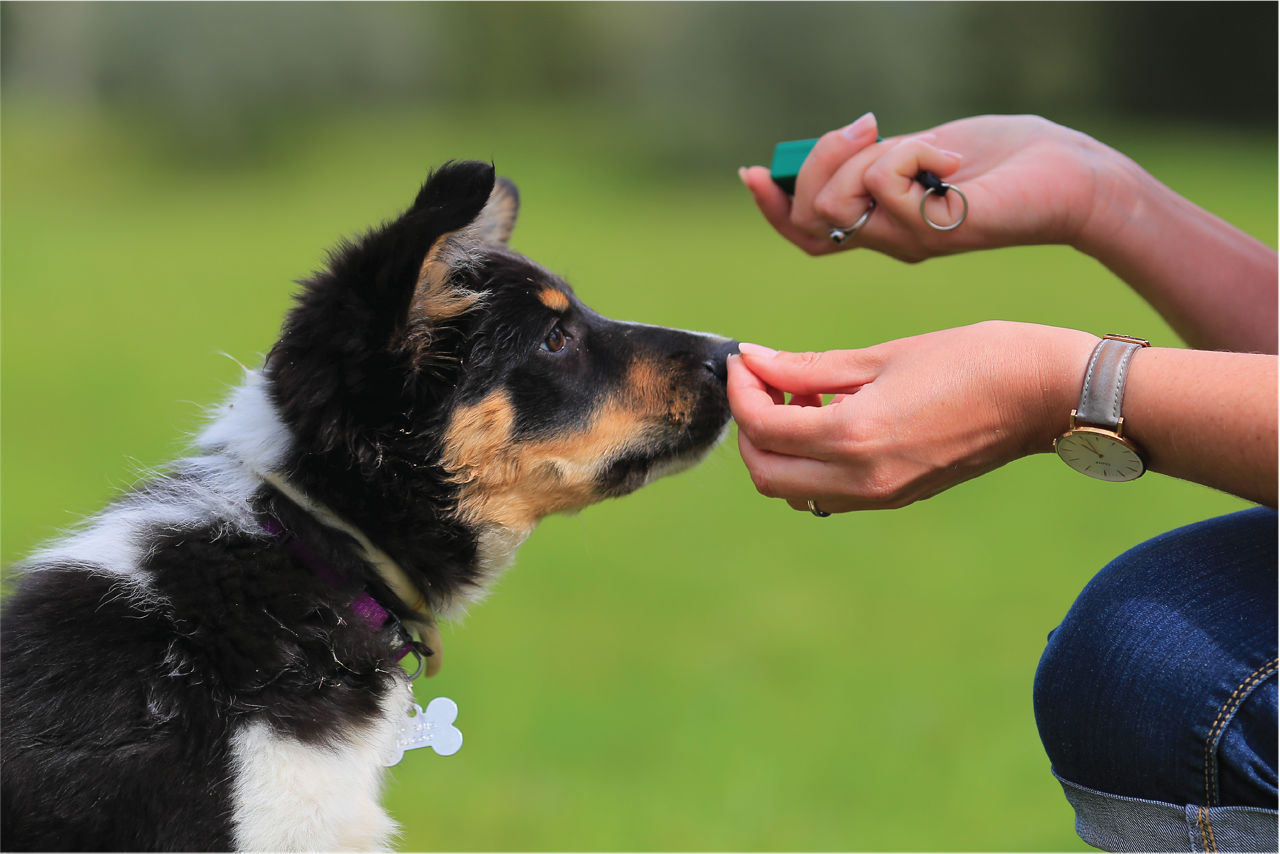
(694, 667)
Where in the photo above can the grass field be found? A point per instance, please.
(691, 668)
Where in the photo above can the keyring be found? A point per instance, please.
(940, 190)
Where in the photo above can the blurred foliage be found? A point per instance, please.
(693, 667)
(701, 82)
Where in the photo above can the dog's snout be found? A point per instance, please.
(716, 363)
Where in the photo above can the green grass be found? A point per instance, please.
(694, 667)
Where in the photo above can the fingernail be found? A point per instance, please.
(858, 129)
(954, 154)
(742, 176)
(757, 351)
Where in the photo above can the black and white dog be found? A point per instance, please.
(211, 662)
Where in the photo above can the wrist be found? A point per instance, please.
(1061, 357)
(1124, 194)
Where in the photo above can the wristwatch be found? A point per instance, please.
(1095, 444)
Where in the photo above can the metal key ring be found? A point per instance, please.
(929, 191)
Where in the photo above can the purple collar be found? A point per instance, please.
(365, 606)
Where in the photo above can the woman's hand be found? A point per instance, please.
(1027, 180)
(910, 418)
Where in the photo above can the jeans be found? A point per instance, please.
(1156, 697)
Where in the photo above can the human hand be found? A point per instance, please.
(1027, 180)
(910, 418)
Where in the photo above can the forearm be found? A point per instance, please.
(1208, 417)
(915, 416)
(1212, 282)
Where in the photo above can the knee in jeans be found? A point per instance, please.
(1089, 695)
(1129, 682)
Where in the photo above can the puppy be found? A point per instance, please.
(211, 663)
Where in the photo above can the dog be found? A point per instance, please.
(212, 662)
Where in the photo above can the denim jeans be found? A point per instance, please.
(1156, 697)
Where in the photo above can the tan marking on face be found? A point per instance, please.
(554, 299)
(650, 388)
(515, 484)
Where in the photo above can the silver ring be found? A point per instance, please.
(840, 235)
(813, 508)
(964, 214)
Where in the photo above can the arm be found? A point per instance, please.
(914, 417)
(1208, 417)
(1032, 181)
(1214, 284)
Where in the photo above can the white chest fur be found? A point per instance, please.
(291, 796)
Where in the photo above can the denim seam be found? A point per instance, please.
(1225, 715)
(1206, 830)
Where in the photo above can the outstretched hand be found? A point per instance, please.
(909, 419)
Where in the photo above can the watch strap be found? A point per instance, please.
(1102, 397)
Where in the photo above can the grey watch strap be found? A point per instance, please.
(1103, 394)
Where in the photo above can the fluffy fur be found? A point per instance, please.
(174, 677)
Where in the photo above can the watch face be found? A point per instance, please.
(1100, 454)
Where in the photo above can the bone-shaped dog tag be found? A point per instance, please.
(430, 728)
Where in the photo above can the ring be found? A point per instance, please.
(840, 235)
(813, 508)
(943, 187)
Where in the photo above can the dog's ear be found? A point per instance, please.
(339, 368)
(438, 298)
(497, 218)
(487, 206)
(381, 271)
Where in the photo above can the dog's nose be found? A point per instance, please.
(716, 362)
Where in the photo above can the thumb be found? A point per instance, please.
(828, 372)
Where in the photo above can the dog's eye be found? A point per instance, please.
(555, 340)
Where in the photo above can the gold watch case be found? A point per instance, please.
(1101, 453)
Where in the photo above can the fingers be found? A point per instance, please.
(759, 410)
(832, 371)
(844, 198)
(830, 153)
(891, 180)
(804, 429)
(794, 218)
(842, 178)
(777, 475)
(797, 480)
(799, 450)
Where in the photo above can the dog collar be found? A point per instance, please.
(427, 646)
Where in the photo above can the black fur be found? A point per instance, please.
(122, 688)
